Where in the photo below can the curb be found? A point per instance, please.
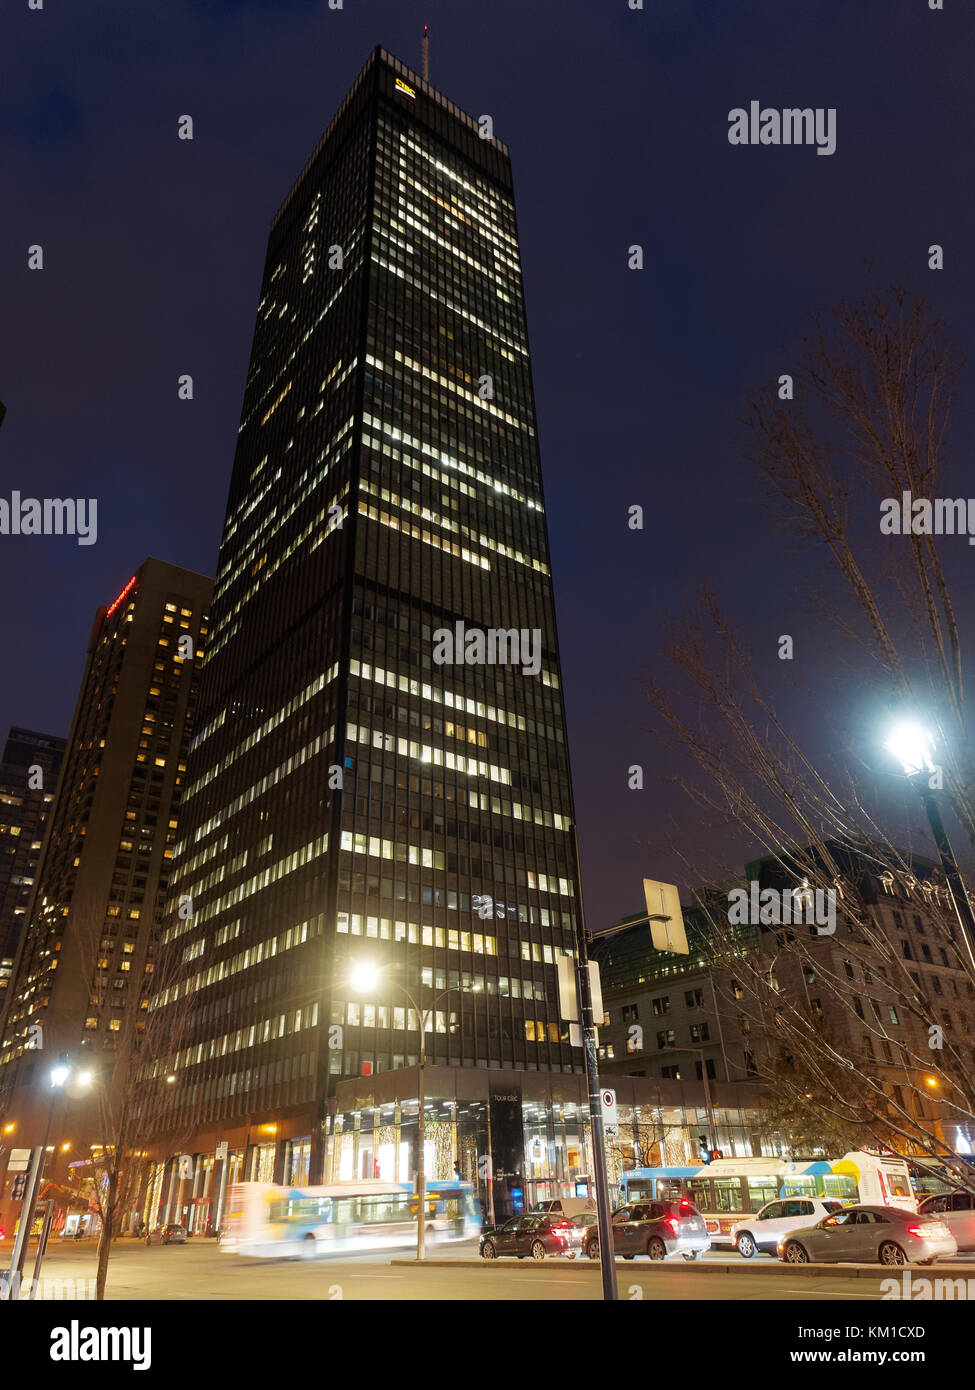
(809, 1271)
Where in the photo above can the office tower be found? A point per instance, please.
(380, 769)
(28, 775)
(84, 962)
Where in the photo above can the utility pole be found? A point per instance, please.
(607, 1252)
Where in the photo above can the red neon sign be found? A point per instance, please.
(121, 596)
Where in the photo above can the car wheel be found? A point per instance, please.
(746, 1246)
(629, 1257)
(656, 1250)
(927, 1262)
(592, 1250)
(693, 1255)
(892, 1254)
(795, 1253)
(309, 1247)
(489, 1250)
(571, 1254)
(537, 1251)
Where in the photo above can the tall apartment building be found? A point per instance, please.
(84, 963)
(28, 775)
(380, 770)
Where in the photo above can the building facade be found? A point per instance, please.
(82, 972)
(380, 772)
(28, 776)
(670, 1015)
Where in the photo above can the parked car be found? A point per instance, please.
(862, 1234)
(957, 1211)
(536, 1235)
(167, 1235)
(655, 1229)
(761, 1230)
(565, 1206)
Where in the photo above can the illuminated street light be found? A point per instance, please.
(912, 746)
(364, 977)
(60, 1073)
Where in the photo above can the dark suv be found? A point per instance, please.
(538, 1234)
(655, 1229)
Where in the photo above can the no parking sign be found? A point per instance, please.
(611, 1124)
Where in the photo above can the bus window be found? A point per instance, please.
(699, 1191)
(760, 1191)
(728, 1195)
(668, 1189)
(898, 1183)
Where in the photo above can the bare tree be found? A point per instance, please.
(873, 385)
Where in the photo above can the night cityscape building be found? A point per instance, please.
(670, 1016)
(28, 776)
(357, 790)
(85, 958)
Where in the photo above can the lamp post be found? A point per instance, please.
(57, 1076)
(912, 746)
(365, 978)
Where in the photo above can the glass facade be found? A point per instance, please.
(357, 791)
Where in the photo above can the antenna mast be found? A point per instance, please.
(426, 53)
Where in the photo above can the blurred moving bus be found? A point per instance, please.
(270, 1221)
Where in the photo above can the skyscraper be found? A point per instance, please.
(82, 971)
(380, 768)
(28, 775)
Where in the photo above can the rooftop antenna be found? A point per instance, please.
(426, 53)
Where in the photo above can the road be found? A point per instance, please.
(198, 1270)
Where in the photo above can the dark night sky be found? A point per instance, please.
(617, 124)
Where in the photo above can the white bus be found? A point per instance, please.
(288, 1222)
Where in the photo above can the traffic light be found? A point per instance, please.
(706, 1154)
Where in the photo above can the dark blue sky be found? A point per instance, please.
(617, 124)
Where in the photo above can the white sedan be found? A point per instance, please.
(762, 1230)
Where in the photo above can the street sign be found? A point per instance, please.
(611, 1124)
(666, 918)
(19, 1161)
(222, 1148)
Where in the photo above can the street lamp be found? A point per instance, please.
(364, 978)
(912, 745)
(57, 1077)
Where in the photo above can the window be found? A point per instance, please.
(661, 1006)
(700, 1032)
(666, 1038)
(630, 1012)
(694, 998)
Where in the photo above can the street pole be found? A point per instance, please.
(607, 1253)
(421, 1136)
(29, 1206)
(956, 884)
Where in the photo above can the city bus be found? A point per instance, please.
(727, 1189)
(265, 1220)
